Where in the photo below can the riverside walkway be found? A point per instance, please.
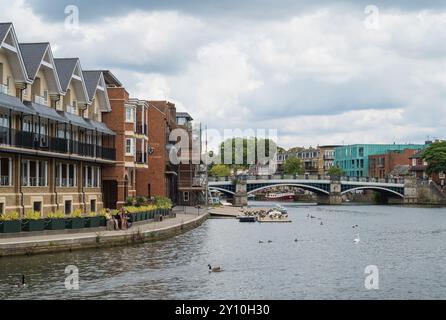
(187, 218)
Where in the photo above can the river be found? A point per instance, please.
(407, 244)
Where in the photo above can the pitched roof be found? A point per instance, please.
(65, 68)
(184, 115)
(33, 54)
(110, 79)
(91, 79)
(4, 28)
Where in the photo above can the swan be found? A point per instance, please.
(357, 239)
(214, 269)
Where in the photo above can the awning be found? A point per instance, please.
(46, 112)
(101, 127)
(76, 120)
(14, 104)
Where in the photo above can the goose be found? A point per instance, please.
(261, 241)
(322, 223)
(22, 284)
(214, 269)
(295, 240)
(270, 241)
(357, 239)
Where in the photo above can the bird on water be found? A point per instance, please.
(214, 269)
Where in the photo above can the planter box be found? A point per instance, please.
(33, 225)
(92, 222)
(133, 217)
(74, 223)
(10, 226)
(55, 224)
(102, 221)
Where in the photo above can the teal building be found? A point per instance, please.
(354, 159)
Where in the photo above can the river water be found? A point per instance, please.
(407, 244)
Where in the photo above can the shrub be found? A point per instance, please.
(129, 201)
(77, 213)
(93, 214)
(56, 215)
(140, 201)
(32, 215)
(163, 203)
(13, 215)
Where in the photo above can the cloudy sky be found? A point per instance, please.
(325, 73)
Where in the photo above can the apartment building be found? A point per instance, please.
(129, 119)
(326, 158)
(53, 145)
(160, 179)
(382, 165)
(191, 171)
(310, 159)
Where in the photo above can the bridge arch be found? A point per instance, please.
(221, 190)
(374, 188)
(303, 186)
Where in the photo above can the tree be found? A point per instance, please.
(240, 148)
(220, 170)
(435, 156)
(293, 165)
(335, 171)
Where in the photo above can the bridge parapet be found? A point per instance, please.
(309, 177)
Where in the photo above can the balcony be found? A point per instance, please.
(40, 100)
(4, 89)
(42, 142)
(4, 181)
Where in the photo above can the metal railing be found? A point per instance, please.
(4, 181)
(309, 177)
(4, 89)
(31, 140)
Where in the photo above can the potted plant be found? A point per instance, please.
(75, 221)
(33, 221)
(55, 221)
(92, 221)
(10, 222)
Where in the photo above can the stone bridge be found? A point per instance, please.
(328, 190)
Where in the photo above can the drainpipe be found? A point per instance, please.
(22, 203)
(82, 187)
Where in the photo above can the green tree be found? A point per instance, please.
(335, 171)
(220, 170)
(293, 165)
(435, 156)
(240, 148)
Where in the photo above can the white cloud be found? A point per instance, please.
(318, 76)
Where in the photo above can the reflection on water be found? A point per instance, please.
(407, 244)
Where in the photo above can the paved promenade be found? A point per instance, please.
(187, 218)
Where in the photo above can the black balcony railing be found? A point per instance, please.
(30, 140)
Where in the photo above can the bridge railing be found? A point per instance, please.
(309, 177)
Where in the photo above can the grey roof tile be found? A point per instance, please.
(4, 27)
(91, 79)
(65, 69)
(32, 54)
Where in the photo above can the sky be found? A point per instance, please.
(321, 73)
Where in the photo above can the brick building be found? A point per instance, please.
(129, 119)
(160, 179)
(381, 165)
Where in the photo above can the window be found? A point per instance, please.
(73, 107)
(93, 205)
(130, 114)
(34, 173)
(186, 196)
(129, 146)
(68, 207)
(45, 96)
(65, 175)
(2, 208)
(92, 176)
(5, 171)
(37, 206)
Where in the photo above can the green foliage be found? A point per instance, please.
(32, 215)
(77, 213)
(240, 148)
(135, 209)
(140, 201)
(9, 216)
(129, 201)
(56, 215)
(163, 202)
(220, 170)
(435, 156)
(335, 171)
(293, 165)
